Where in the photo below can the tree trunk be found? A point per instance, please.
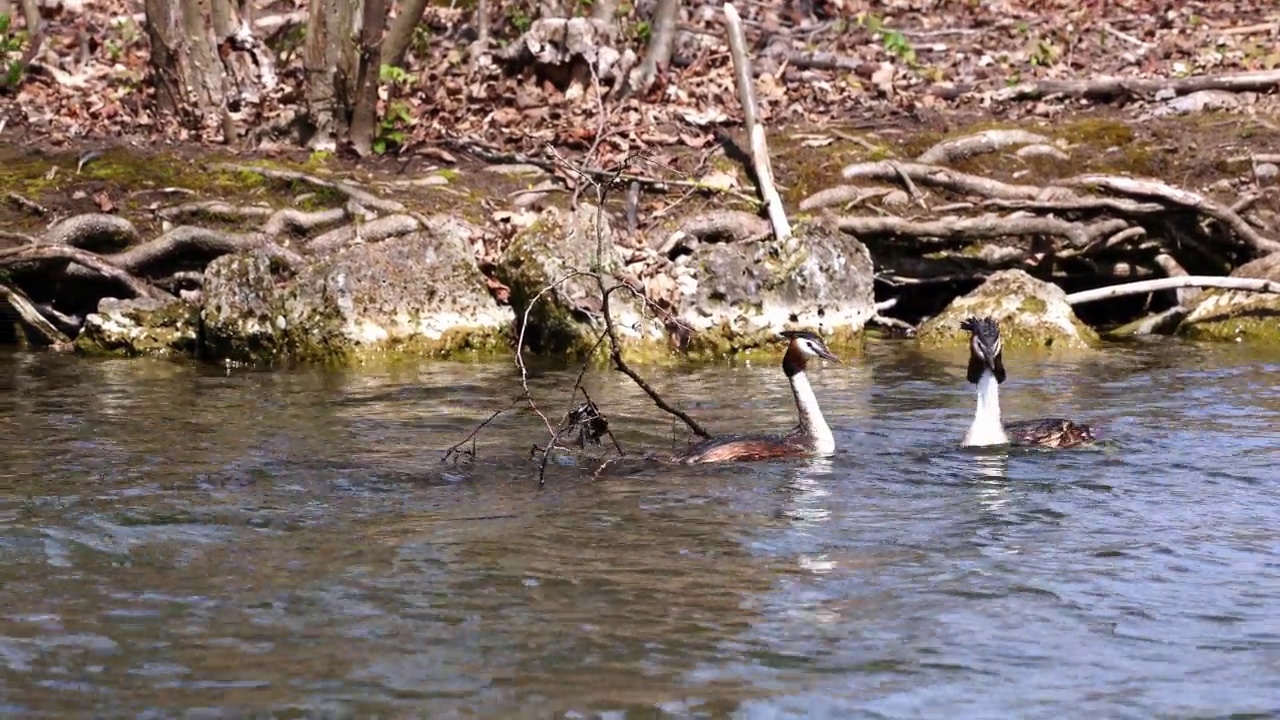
(400, 35)
(604, 10)
(329, 58)
(364, 115)
(205, 61)
(662, 34)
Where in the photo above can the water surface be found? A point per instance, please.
(180, 541)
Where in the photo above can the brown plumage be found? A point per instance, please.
(810, 436)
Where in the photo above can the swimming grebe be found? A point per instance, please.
(810, 437)
(986, 369)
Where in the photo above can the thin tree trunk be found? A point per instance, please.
(400, 34)
(662, 35)
(364, 115)
(329, 63)
(604, 10)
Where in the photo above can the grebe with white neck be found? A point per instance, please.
(811, 437)
(986, 370)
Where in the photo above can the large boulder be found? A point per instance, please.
(737, 295)
(420, 294)
(141, 327)
(549, 267)
(1032, 314)
(1236, 315)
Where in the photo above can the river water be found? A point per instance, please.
(183, 541)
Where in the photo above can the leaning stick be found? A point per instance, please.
(755, 131)
(31, 316)
(1173, 283)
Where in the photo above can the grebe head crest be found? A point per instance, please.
(986, 349)
(804, 345)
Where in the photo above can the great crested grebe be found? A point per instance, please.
(810, 437)
(986, 369)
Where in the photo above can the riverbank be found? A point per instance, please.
(293, 256)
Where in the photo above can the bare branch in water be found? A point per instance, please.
(586, 417)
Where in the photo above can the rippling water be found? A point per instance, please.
(175, 540)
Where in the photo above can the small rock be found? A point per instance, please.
(1236, 315)
(1031, 313)
(419, 293)
(820, 278)
(141, 327)
(1266, 174)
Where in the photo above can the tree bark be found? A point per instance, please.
(364, 115)
(662, 35)
(205, 61)
(400, 34)
(604, 10)
(329, 57)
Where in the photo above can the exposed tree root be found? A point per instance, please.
(984, 227)
(204, 243)
(1177, 196)
(846, 195)
(93, 231)
(1110, 88)
(725, 226)
(955, 181)
(359, 195)
(987, 141)
(95, 265)
(381, 229)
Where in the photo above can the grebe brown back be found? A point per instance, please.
(810, 437)
(986, 370)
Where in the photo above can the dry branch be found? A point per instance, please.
(755, 131)
(1178, 196)
(31, 316)
(1173, 283)
(1112, 88)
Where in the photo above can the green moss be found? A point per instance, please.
(1033, 305)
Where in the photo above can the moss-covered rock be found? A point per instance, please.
(420, 294)
(1032, 314)
(736, 296)
(539, 263)
(1237, 316)
(141, 327)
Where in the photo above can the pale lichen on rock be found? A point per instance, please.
(1238, 316)
(1032, 314)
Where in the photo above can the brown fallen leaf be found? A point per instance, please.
(103, 201)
